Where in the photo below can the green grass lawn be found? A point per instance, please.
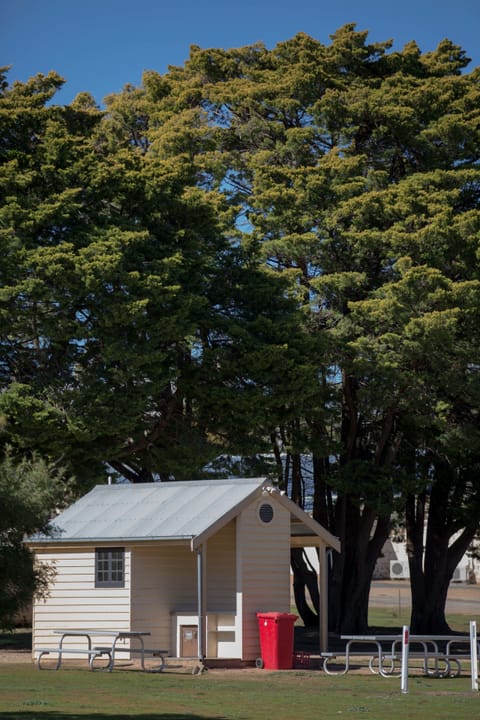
(78, 694)
(27, 693)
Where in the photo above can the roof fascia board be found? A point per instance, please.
(109, 542)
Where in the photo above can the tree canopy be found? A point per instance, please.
(123, 294)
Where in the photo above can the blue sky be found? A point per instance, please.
(100, 45)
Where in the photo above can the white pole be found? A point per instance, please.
(405, 644)
(201, 605)
(474, 654)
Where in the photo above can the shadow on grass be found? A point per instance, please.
(50, 715)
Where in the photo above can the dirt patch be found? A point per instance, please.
(15, 656)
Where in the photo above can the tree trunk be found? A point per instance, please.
(323, 506)
(432, 558)
(429, 587)
(362, 535)
(297, 481)
(305, 580)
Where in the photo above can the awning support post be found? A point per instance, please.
(202, 620)
(323, 588)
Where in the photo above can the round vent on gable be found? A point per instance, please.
(265, 512)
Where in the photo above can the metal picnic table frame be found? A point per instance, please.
(95, 651)
(387, 648)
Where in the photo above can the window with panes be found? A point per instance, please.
(110, 567)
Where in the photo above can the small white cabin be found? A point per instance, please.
(189, 562)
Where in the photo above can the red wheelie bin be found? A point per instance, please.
(276, 640)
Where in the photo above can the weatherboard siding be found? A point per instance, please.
(73, 600)
(264, 569)
(164, 581)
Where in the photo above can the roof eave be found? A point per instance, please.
(58, 542)
(314, 528)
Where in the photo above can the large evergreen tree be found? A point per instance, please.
(354, 174)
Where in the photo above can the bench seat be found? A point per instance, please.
(143, 652)
(149, 651)
(91, 653)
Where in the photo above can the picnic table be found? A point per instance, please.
(384, 652)
(93, 651)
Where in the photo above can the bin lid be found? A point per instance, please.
(277, 616)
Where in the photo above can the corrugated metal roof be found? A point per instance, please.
(150, 511)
